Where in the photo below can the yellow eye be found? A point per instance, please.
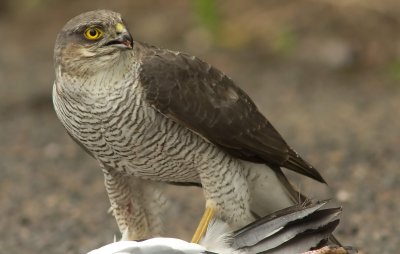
(93, 33)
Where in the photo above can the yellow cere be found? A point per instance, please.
(93, 33)
(120, 28)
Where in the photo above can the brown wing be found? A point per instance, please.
(202, 98)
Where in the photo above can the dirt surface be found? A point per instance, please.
(325, 73)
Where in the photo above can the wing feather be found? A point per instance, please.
(205, 100)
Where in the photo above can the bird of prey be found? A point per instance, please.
(153, 116)
(296, 229)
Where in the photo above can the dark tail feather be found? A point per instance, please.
(297, 197)
(269, 224)
(305, 241)
(300, 227)
(297, 164)
(310, 225)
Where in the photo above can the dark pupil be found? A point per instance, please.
(93, 32)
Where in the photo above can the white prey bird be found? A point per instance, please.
(301, 228)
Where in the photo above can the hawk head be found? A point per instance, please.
(92, 40)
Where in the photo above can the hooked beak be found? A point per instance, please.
(124, 40)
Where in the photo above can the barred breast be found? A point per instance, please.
(125, 133)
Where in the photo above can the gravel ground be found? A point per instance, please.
(326, 75)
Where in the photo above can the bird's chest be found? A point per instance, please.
(122, 131)
(125, 133)
(145, 143)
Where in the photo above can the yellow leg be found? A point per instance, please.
(202, 227)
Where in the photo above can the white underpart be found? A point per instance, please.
(267, 193)
(218, 238)
(151, 246)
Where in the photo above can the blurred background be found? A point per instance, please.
(325, 73)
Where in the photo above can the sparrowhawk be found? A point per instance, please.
(152, 116)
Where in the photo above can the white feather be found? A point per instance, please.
(153, 245)
(218, 238)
